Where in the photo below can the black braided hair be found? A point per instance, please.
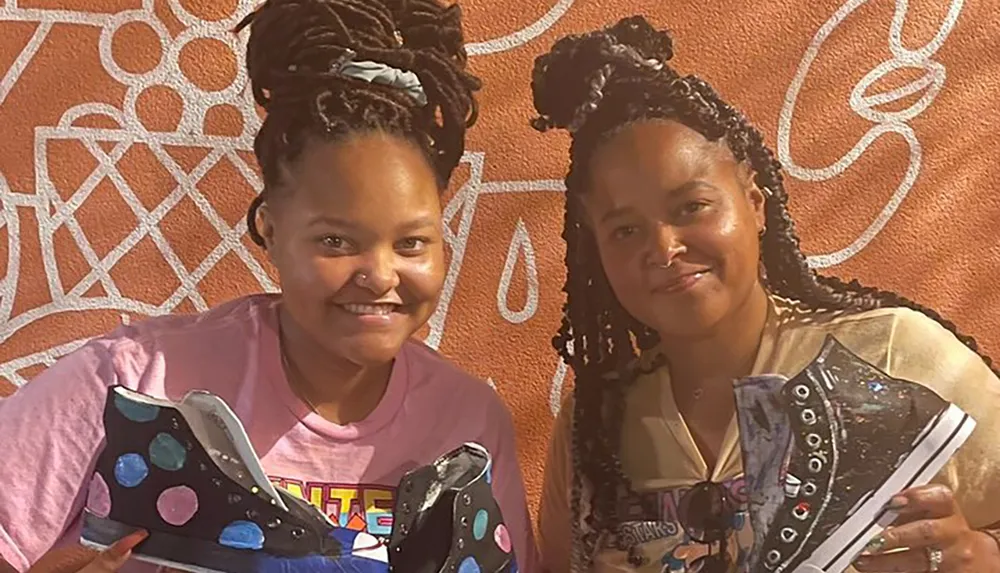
(594, 85)
(293, 56)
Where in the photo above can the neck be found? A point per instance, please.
(725, 353)
(334, 387)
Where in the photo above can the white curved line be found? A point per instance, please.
(520, 247)
(862, 104)
(523, 36)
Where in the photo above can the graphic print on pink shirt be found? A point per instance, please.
(232, 351)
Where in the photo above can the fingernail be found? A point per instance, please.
(898, 502)
(875, 545)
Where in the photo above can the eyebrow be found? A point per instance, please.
(684, 188)
(407, 227)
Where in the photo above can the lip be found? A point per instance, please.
(681, 283)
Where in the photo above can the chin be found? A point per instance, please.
(370, 353)
(693, 320)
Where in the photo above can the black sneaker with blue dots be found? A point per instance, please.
(824, 452)
(187, 474)
(446, 519)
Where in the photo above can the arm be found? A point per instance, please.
(555, 516)
(508, 488)
(51, 431)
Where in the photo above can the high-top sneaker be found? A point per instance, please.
(447, 520)
(824, 452)
(187, 474)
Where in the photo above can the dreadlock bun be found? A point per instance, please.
(569, 81)
(294, 58)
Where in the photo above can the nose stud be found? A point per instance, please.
(360, 279)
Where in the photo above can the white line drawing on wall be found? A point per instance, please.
(522, 36)
(865, 106)
(520, 249)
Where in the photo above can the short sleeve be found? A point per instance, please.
(555, 517)
(508, 488)
(923, 351)
(51, 432)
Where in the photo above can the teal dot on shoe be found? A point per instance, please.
(469, 565)
(136, 411)
(167, 453)
(242, 535)
(479, 525)
(130, 470)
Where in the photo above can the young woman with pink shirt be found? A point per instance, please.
(367, 108)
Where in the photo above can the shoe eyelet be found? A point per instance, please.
(217, 482)
(297, 532)
(773, 556)
(273, 523)
(467, 499)
(808, 417)
(405, 507)
(252, 514)
(404, 529)
(801, 391)
(814, 441)
(808, 489)
(464, 521)
(408, 486)
(815, 465)
(788, 535)
(234, 498)
(801, 511)
(460, 544)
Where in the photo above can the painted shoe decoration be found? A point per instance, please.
(824, 452)
(447, 520)
(186, 472)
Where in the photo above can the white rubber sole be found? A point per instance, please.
(939, 442)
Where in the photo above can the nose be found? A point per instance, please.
(665, 246)
(379, 274)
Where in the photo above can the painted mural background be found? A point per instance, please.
(126, 166)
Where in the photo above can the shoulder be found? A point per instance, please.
(212, 327)
(433, 374)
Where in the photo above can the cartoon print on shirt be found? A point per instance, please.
(360, 507)
(663, 540)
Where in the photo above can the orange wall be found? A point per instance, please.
(120, 112)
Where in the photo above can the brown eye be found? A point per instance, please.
(332, 242)
(624, 232)
(412, 244)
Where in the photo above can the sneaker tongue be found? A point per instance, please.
(222, 435)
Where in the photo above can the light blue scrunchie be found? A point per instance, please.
(379, 73)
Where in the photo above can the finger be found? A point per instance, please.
(918, 534)
(932, 501)
(112, 558)
(910, 561)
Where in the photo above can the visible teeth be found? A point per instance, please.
(379, 309)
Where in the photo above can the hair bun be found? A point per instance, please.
(568, 81)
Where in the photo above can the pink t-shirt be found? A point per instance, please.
(51, 429)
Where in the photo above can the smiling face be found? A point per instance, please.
(676, 220)
(356, 238)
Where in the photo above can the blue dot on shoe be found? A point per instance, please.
(136, 411)
(480, 524)
(469, 565)
(242, 535)
(167, 453)
(130, 470)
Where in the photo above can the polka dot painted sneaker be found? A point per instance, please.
(186, 472)
(824, 452)
(446, 519)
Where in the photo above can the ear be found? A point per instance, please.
(755, 196)
(266, 227)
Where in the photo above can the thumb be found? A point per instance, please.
(114, 557)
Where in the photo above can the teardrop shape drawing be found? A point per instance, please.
(520, 248)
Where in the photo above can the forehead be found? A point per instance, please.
(654, 156)
(368, 172)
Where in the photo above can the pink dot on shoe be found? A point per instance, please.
(98, 497)
(177, 505)
(502, 538)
